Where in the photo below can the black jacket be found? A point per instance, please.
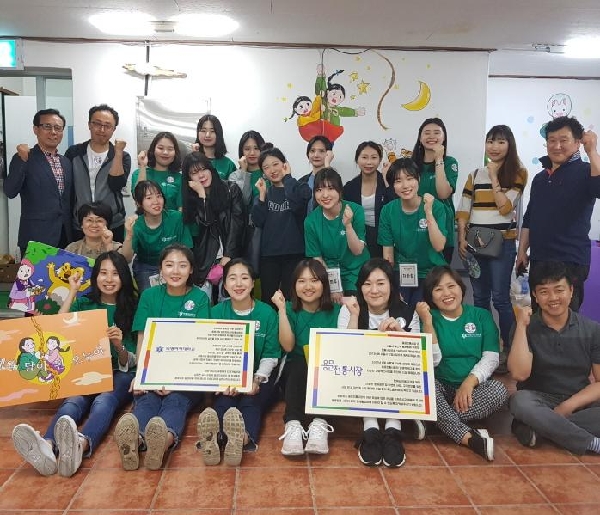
(383, 194)
(227, 226)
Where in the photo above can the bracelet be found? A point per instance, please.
(439, 163)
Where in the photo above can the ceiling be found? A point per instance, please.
(480, 24)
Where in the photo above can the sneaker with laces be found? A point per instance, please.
(127, 437)
(370, 447)
(235, 430)
(524, 433)
(392, 448)
(292, 437)
(482, 444)
(317, 437)
(420, 430)
(156, 436)
(69, 444)
(34, 449)
(208, 433)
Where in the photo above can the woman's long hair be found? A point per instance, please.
(126, 298)
(511, 167)
(217, 198)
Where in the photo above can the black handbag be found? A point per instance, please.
(484, 242)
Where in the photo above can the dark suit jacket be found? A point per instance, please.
(44, 211)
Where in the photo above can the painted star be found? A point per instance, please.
(353, 76)
(357, 58)
(363, 87)
(290, 85)
(352, 97)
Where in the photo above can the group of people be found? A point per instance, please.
(371, 254)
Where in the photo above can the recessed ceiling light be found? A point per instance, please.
(583, 47)
(123, 23)
(205, 25)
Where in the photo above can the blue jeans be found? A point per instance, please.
(494, 285)
(101, 408)
(142, 273)
(172, 408)
(251, 407)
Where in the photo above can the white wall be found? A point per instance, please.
(523, 105)
(255, 88)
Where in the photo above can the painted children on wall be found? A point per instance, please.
(308, 114)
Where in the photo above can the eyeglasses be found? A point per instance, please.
(102, 126)
(49, 127)
(94, 221)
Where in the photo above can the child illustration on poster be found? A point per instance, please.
(42, 281)
(54, 356)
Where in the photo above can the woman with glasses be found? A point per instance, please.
(94, 219)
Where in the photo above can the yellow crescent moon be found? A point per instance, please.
(421, 100)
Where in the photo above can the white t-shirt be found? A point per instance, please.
(95, 161)
(368, 204)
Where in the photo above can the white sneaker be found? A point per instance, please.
(292, 439)
(34, 449)
(317, 437)
(70, 446)
(420, 431)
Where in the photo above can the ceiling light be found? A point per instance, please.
(583, 47)
(205, 25)
(123, 23)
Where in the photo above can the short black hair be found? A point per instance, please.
(323, 139)
(251, 134)
(404, 164)
(103, 107)
(44, 112)
(565, 121)
(368, 144)
(434, 277)
(545, 272)
(97, 208)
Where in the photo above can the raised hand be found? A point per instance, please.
(23, 151)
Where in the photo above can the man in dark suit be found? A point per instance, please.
(44, 180)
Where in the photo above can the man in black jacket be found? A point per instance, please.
(100, 169)
(44, 180)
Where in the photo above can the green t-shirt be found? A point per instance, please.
(327, 239)
(463, 342)
(129, 338)
(170, 183)
(427, 185)
(156, 302)
(266, 331)
(148, 243)
(303, 321)
(224, 166)
(408, 234)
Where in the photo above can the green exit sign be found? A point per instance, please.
(10, 54)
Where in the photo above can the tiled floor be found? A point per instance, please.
(438, 478)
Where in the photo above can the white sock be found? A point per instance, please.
(369, 423)
(393, 422)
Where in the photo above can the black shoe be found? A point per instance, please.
(370, 448)
(482, 444)
(393, 450)
(525, 435)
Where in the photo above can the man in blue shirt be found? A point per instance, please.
(557, 221)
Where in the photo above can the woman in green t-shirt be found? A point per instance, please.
(439, 172)
(149, 231)
(334, 233)
(470, 345)
(111, 289)
(211, 143)
(158, 417)
(162, 164)
(310, 306)
(411, 230)
(237, 417)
